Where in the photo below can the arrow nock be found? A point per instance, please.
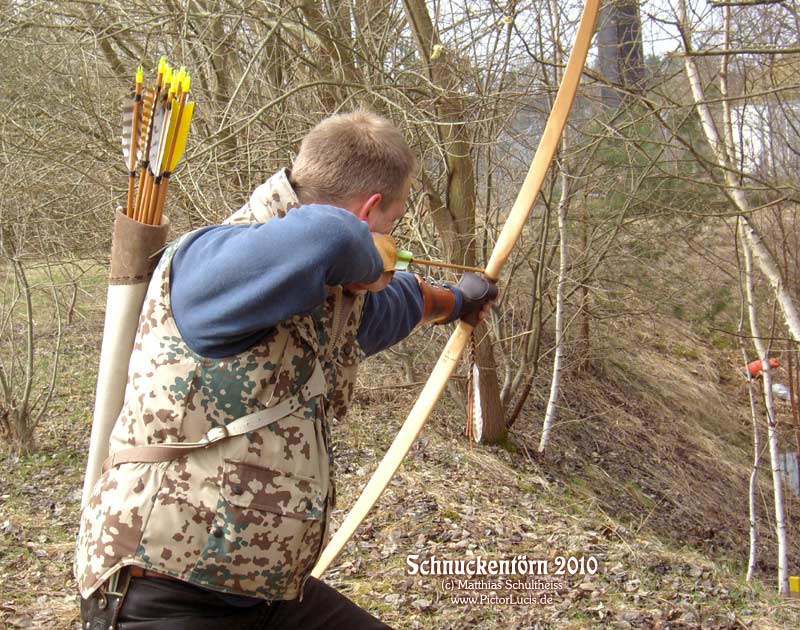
(404, 258)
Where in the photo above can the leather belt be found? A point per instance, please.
(155, 453)
(141, 572)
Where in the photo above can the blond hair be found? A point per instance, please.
(352, 154)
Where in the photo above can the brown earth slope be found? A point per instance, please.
(646, 474)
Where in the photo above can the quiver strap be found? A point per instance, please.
(154, 453)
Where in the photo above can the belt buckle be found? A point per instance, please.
(210, 436)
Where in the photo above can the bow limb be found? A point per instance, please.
(449, 358)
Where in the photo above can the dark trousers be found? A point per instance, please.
(153, 603)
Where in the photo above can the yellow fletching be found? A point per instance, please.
(163, 146)
(182, 135)
(177, 81)
(173, 121)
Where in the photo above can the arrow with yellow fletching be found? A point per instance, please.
(177, 144)
(155, 131)
(131, 123)
(161, 119)
(167, 156)
(182, 136)
(146, 140)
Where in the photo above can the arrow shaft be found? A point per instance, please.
(158, 207)
(162, 195)
(132, 166)
(154, 193)
(444, 265)
(137, 106)
(131, 187)
(147, 186)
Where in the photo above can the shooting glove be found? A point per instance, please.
(476, 290)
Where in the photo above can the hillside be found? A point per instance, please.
(649, 480)
(647, 474)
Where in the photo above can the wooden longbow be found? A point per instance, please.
(511, 232)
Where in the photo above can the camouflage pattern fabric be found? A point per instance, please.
(249, 515)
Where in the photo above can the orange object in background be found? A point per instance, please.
(755, 368)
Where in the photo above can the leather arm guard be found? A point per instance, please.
(439, 302)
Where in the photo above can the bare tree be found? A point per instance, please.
(724, 153)
(772, 433)
(620, 56)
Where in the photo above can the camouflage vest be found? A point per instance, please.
(248, 515)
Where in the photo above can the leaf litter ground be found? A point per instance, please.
(449, 499)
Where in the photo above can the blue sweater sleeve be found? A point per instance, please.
(231, 283)
(390, 315)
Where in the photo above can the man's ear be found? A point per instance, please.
(371, 202)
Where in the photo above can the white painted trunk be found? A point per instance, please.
(727, 125)
(772, 434)
(753, 245)
(552, 403)
(768, 266)
(723, 154)
(751, 494)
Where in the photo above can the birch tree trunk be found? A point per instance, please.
(751, 491)
(724, 153)
(724, 158)
(772, 433)
(552, 403)
(753, 481)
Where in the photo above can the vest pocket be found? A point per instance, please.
(267, 531)
(266, 489)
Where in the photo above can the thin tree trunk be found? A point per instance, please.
(772, 433)
(753, 482)
(791, 368)
(723, 155)
(724, 152)
(529, 365)
(751, 494)
(791, 346)
(457, 214)
(552, 403)
(584, 346)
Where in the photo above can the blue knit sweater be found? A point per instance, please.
(231, 283)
